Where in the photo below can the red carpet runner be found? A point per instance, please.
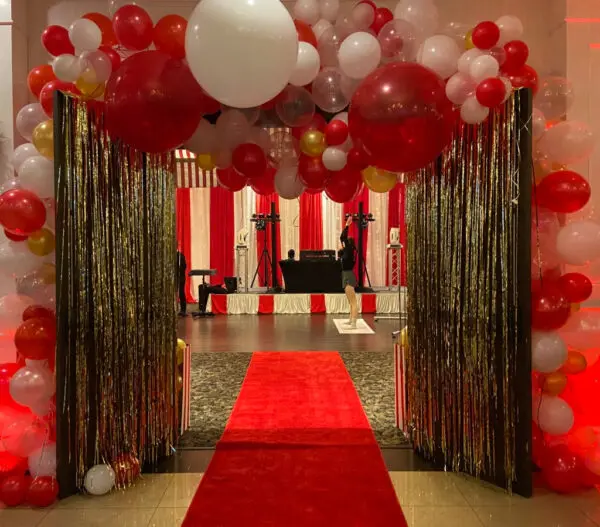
(298, 451)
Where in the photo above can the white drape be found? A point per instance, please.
(200, 229)
(244, 205)
(377, 240)
(289, 212)
(332, 223)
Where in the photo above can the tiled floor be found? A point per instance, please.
(429, 499)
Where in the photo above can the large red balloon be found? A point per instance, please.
(230, 179)
(550, 309)
(401, 116)
(382, 16)
(56, 41)
(153, 102)
(106, 27)
(318, 122)
(38, 77)
(36, 338)
(169, 35)
(313, 173)
(576, 287)
(517, 54)
(305, 33)
(21, 211)
(36, 311)
(133, 27)
(249, 160)
(524, 77)
(42, 491)
(343, 185)
(562, 469)
(47, 94)
(264, 185)
(563, 191)
(358, 159)
(13, 490)
(208, 105)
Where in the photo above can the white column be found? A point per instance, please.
(6, 89)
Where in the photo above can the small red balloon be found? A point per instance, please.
(7, 370)
(36, 311)
(13, 490)
(517, 53)
(21, 212)
(550, 309)
(56, 41)
(562, 469)
(382, 16)
(133, 27)
(38, 78)
(317, 123)
(249, 160)
(336, 132)
(47, 94)
(106, 28)
(576, 287)
(264, 185)
(114, 57)
(357, 159)
(42, 491)
(490, 92)
(169, 35)
(35, 338)
(15, 237)
(524, 77)
(563, 191)
(485, 35)
(343, 185)
(312, 173)
(305, 33)
(230, 179)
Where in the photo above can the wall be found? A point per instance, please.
(6, 112)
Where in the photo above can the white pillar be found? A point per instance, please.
(6, 89)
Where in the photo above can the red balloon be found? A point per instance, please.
(401, 116)
(169, 35)
(576, 287)
(42, 491)
(106, 27)
(336, 132)
(382, 16)
(13, 490)
(208, 105)
(153, 102)
(56, 41)
(485, 35)
(115, 58)
(36, 311)
(21, 212)
(537, 444)
(517, 53)
(7, 370)
(312, 173)
(357, 159)
(38, 77)
(525, 77)
(490, 92)
(249, 160)
(343, 185)
(35, 338)
(318, 122)
(133, 27)
(15, 237)
(562, 469)
(230, 179)
(589, 480)
(305, 33)
(264, 185)
(563, 191)
(47, 94)
(550, 309)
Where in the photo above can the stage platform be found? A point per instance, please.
(380, 302)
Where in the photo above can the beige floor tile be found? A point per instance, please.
(427, 489)
(21, 517)
(147, 493)
(481, 494)
(181, 490)
(532, 515)
(441, 516)
(168, 517)
(97, 518)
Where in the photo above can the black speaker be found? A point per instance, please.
(231, 284)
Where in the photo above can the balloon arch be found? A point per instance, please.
(393, 87)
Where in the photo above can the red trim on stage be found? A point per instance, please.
(219, 304)
(266, 304)
(369, 303)
(317, 303)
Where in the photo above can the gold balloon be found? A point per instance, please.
(90, 90)
(404, 338)
(379, 180)
(181, 344)
(43, 138)
(205, 162)
(554, 383)
(312, 143)
(41, 243)
(179, 383)
(576, 363)
(469, 40)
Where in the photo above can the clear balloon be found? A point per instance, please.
(232, 128)
(287, 183)
(16, 261)
(471, 112)
(359, 55)
(24, 436)
(399, 41)
(320, 27)
(548, 351)
(99, 480)
(328, 90)
(330, 10)
(308, 64)
(295, 106)
(42, 461)
(284, 147)
(538, 123)
(467, 58)
(554, 97)
(578, 242)
(582, 329)
(204, 140)
(22, 153)
(459, 88)
(11, 311)
(457, 32)
(345, 26)
(31, 386)
(97, 66)
(251, 114)
(363, 15)
(307, 11)
(423, 15)
(440, 53)
(553, 415)
(328, 46)
(567, 143)
(511, 28)
(28, 118)
(85, 35)
(37, 175)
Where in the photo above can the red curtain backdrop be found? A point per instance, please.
(184, 234)
(311, 224)
(222, 234)
(351, 207)
(263, 206)
(396, 219)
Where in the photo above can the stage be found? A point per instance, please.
(255, 303)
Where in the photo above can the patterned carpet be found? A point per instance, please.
(217, 379)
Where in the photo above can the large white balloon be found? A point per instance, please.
(553, 415)
(359, 55)
(548, 351)
(22, 153)
(242, 52)
(67, 67)
(28, 118)
(42, 461)
(85, 35)
(307, 65)
(440, 53)
(99, 480)
(37, 174)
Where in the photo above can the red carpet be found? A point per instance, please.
(298, 451)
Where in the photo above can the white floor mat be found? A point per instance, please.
(362, 328)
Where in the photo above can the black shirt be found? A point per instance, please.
(347, 254)
(181, 266)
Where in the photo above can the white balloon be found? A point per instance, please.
(17, 260)
(553, 415)
(467, 58)
(261, 137)
(330, 10)
(538, 123)
(97, 66)
(320, 27)
(548, 351)
(359, 55)
(232, 128)
(99, 480)
(22, 153)
(483, 68)
(85, 35)
(334, 158)
(28, 118)
(307, 65)
(440, 53)
(582, 329)
(67, 68)
(511, 28)
(287, 183)
(204, 140)
(37, 174)
(31, 386)
(363, 15)
(578, 242)
(460, 87)
(42, 461)
(508, 87)
(241, 52)
(422, 14)
(307, 11)
(471, 112)
(342, 116)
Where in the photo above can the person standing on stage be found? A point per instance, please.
(348, 258)
(181, 268)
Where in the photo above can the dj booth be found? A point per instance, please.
(312, 275)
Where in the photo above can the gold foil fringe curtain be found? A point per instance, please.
(462, 253)
(117, 325)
